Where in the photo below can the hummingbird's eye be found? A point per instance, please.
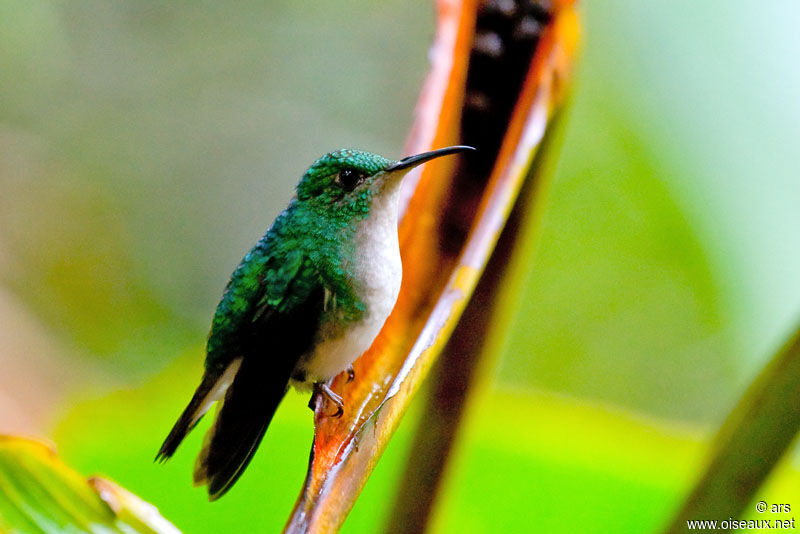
(349, 179)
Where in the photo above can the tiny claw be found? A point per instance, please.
(320, 388)
(351, 374)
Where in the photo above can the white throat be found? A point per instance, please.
(378, 269)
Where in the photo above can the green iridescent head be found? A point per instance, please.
(345, 173)
(341, 172)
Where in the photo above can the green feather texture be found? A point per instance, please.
(309, 245)
(317, 180)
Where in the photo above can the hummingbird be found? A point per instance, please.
(304, 303)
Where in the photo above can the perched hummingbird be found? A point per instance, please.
(306, 301)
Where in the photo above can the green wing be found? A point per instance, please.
(263, 286)
(265, 322)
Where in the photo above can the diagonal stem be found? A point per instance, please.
(453, 376)
(463, 360)
(751, 441)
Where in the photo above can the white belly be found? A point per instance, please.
(379, 271)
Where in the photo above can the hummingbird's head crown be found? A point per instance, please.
(338, 173)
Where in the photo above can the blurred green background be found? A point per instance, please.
(145, 146)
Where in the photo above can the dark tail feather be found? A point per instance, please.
(247, 410)
(213, 385)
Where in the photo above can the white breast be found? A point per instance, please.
(379, 271)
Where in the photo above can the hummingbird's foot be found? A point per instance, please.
(322, 389)
(351, 374)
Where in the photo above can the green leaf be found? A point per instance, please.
(751, 442)
(39, 493)
(563, 457)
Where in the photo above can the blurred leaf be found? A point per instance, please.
(570, 466)
(750, 443)
(39, 493)
(668, 255)
(564, 470)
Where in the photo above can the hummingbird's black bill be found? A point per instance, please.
(413, 161)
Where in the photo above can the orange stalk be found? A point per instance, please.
(436, 285)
